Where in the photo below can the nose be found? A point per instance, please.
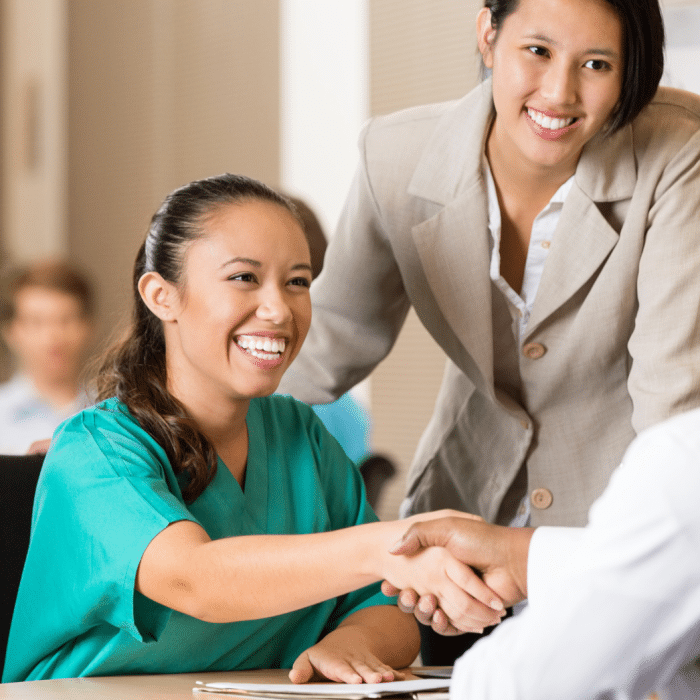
(560, 84)
(273, 306)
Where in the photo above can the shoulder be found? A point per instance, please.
(410, 130)
(105, 437)
(672, 104)
(668, 124)
(110, 415)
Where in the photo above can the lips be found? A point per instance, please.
(547, 122)
(262, 347)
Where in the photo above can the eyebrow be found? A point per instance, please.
(247, 261)
(257, 263)
(598, 52)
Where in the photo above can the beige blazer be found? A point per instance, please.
(613, 342)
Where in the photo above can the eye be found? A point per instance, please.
(243, 277)
(597, 64)
(538, 51)
(300, 282)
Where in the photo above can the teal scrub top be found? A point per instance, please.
(107, 489)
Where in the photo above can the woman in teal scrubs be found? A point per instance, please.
(190, 521)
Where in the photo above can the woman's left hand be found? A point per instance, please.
(343, 656)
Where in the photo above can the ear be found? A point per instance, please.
(485, 36)
(159, 295)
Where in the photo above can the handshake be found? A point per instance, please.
(474, 596)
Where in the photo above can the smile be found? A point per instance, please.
(262, 348)
(552, 123)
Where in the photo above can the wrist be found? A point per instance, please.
(379, 538)
(517, 548)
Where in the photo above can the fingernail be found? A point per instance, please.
(396, 545)
(496, 605)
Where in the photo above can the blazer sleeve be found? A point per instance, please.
(664, 376)
(359, 301)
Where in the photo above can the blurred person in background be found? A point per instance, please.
(47, 325)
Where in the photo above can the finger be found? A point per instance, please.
(466, 613)
(465, 577)
(442, 625)
(341, 672)
(407, 601)
(374, 673)
(424, 611)
(302, 669)
(388, 590)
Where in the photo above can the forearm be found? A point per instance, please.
(250, 577)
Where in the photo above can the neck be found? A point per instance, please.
(525, 180)
(224, 425)
(220, 419)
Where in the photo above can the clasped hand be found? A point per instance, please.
(496, 576)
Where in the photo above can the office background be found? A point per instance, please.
(107, 106)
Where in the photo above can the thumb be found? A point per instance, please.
(302, 670)
(425, 533)
(408, 544)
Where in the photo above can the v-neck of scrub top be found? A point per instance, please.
(225, 509)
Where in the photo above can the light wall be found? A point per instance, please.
(161, 93)
(420, 52)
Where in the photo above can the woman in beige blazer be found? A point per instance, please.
(554, 364)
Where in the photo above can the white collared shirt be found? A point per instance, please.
(26, 417)
(614, 608)
(543, 228)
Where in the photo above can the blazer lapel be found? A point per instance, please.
(454, 250)
(583, 238)
(454, 244)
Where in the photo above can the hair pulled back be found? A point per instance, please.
(134, 370)
(643, 47)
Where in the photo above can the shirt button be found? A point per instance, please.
(541, 498)
(546, 244)
(533, 351)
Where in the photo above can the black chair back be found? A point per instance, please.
(376, 471)
(18, 477)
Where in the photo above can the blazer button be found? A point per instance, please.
(541, 498)
(533, 351)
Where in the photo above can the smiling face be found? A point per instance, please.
(557, 71)
(242, 311)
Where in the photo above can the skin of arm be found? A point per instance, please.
(251, 577)
(499, 553)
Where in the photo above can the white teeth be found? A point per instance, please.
(549, 122)
(263, 348)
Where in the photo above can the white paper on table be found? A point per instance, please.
(341, 691)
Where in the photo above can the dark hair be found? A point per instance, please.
(134, 370)
(643, 47)
(314, 234)
(55, 275)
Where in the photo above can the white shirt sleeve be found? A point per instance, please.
(614, 608)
